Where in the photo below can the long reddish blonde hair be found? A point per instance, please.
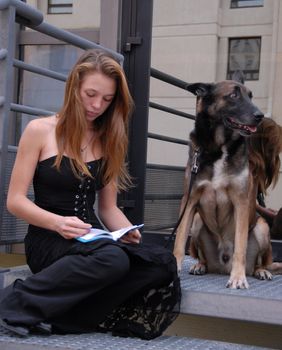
(111, 127)
(265, 148)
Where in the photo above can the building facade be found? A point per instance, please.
(193, 40)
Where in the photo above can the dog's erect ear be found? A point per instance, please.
(238, 75)
(199, 89)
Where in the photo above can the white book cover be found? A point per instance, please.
(96, 233)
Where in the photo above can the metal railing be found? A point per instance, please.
(165, 186)
(21, 13)
(16, 11)
(169, 79)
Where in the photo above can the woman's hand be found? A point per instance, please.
(133, 236)
(266, 212)
(71, 227)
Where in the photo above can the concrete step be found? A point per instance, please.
(99, 341)
(207, 295)
(209, 311)
(9, 274)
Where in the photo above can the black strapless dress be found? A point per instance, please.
(145, 315)
(64, 194)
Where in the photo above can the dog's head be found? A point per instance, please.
(228, 102)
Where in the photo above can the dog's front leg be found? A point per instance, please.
(182, 234)
(238, 278)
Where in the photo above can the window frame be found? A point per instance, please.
(245, 71)
(235, 4)
(58, 5)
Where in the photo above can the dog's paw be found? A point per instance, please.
(239, 282)
(263, 274)
(198, 269)
(179, 268)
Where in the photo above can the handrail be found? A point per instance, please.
(169, 79)
(19, 12)
(171, 110)
(25, 13)
(167, 139)
(30, 110)
(38, 70)
(169, 197)
(33, 18)
(71, 38)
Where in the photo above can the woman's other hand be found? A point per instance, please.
(71, 227)
(133, 236)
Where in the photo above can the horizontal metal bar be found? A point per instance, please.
(26, 14)
(12, 149)
(164, 167)
(31, 37)
(153, 229)
(38, 70)
(3, 54)
(276, 250)
(32, 18)
(171, 110)
(2, 101)
(167, 139)
(8, 240)
(29, 110)
(169, 79)
(161, 197)
(73, 39)
(126, 203)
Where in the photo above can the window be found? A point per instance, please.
(59, 6)
(40, 91)
(245, 3)
(244, 55)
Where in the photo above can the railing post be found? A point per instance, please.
(136, 37)
(7, 47)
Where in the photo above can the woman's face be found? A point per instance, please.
(97, 92)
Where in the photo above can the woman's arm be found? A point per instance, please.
(112, 217)
(267, 213)
(28, 154)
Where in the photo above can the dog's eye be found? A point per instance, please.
(234, 95)
(250, 95)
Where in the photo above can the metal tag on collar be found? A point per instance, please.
(195, 163)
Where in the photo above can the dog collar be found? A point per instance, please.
(195, 162)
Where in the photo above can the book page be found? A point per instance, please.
(119, 233)
(95, 234)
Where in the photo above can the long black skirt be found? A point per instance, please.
(151, 289)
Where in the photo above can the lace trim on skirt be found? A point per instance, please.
(145, 316)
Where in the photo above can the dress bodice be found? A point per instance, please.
(63, 193)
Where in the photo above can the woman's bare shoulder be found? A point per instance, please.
(41, 125)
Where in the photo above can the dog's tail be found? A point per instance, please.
(275, 268)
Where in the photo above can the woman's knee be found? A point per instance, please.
(112, 260)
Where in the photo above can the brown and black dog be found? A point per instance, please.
(220, 214)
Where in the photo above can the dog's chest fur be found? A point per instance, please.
(222, 169)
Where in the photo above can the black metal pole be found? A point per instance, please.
(136, 38)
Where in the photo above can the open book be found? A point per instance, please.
(96, 233)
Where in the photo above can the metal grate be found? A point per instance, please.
(13, 229)
(163, 193)
(97, 341)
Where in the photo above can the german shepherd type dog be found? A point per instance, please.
(220, 214)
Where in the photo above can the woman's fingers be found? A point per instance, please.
(72, 227)
(132, 237)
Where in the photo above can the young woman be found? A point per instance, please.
(121, 286)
